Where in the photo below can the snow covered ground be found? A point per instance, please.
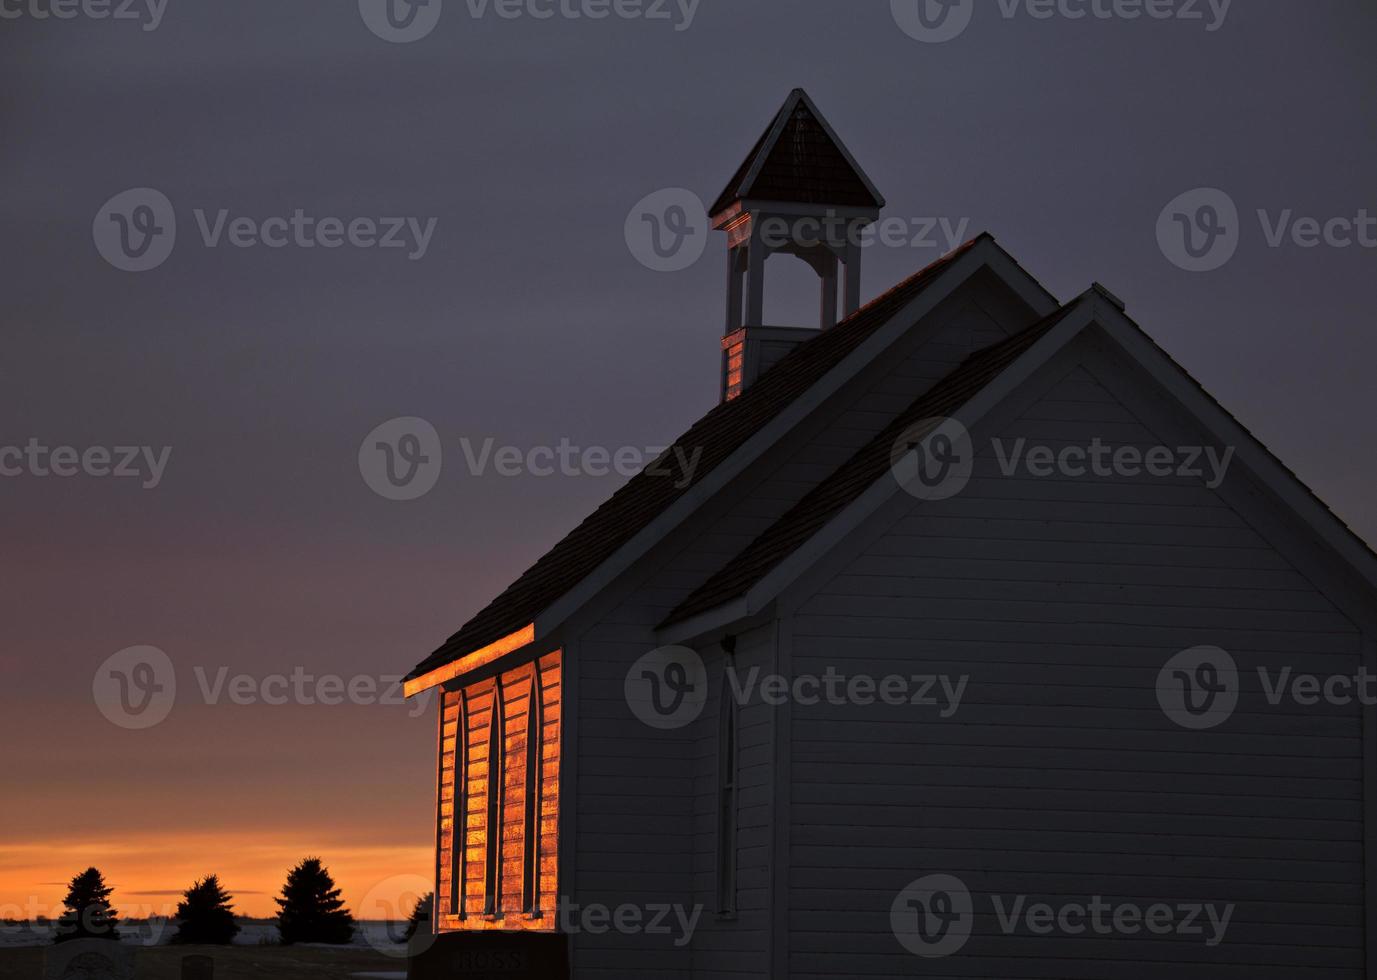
(382, 936)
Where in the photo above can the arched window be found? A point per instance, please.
(492, 878)
(726, 800)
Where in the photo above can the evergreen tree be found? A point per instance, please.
(88, 914)
(420, 915)
(310, 909)
(204, 916)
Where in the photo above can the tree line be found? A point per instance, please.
(310, 910)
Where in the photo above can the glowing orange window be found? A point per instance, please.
(499, 801)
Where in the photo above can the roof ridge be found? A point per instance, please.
(858, 472)
(715, 436)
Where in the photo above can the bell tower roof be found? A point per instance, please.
(800, 160)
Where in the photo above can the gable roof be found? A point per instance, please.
(800, 159)
(870, 463)
(718, 434)
(850, 494)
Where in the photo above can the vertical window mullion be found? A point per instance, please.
(459, 820)
(535, 778)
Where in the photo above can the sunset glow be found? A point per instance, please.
(149, 874)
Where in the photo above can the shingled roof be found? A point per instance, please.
(800, 159)
(718, 434)
(849, 481)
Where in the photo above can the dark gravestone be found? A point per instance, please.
(88, 959)
(198, 968)
(491, 956)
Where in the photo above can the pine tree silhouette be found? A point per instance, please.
(420, 915)
(310, 907)
(204, 915)
(88, 914)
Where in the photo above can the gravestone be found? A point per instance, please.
(198, 968)
(491, 956)
(88, 959)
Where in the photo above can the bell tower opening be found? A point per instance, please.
(799, 193)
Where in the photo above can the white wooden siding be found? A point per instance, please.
(1060, 778)
(644, 830)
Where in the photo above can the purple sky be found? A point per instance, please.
(529, 321)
